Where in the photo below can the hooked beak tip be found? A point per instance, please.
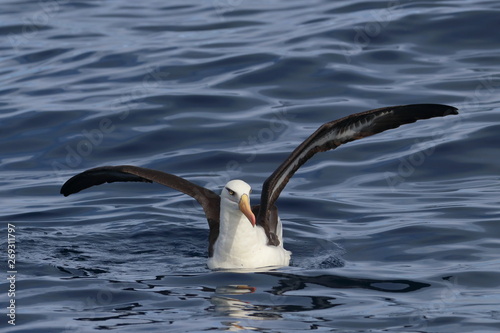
(252, 220)
(246, 209)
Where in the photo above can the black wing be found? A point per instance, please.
(209, 200)
(337, 132)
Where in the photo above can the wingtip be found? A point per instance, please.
(64, 190)
(436, 110)
(452, 110)
(443, 108)
(74, 184)
(448, 109)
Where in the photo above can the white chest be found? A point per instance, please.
(240, 245)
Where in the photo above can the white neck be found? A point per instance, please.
(237, 237)
(235, 227)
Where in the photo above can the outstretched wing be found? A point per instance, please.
(209, 200)
(337, 132)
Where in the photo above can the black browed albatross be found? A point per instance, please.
(237, 238)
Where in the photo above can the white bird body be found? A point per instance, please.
(241, 244)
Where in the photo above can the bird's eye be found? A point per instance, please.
(231, 192)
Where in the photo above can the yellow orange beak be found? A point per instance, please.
(246, 209)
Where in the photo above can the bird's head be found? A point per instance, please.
(238, 193)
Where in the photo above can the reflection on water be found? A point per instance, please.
(275, 296)
(234, 307)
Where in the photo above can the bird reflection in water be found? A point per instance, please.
(248, 303)
(227, 306)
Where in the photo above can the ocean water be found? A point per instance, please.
(398, 232)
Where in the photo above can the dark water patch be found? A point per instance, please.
(17, 29)
(40, 56)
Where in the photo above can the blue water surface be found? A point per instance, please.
(398, 232)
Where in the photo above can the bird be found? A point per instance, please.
(242, 236)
